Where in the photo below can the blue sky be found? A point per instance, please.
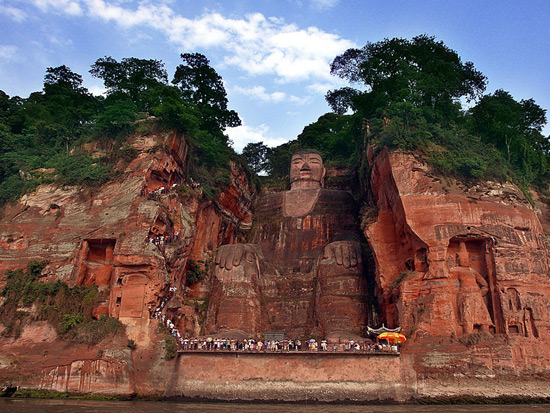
(273, 55)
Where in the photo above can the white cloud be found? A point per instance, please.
(8, 52)
(97, 90)
(70, 7)
(16, 14)
(259, 93)
(284, 50)
(320, 87)
(255, 44)
(293, 113)
(324, 4)
(242, 135)
(300, 101)
(58, 41)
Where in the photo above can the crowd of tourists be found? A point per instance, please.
(162, 240)
(266, 346)
(155, 194)
(158, 315)
(294, 345)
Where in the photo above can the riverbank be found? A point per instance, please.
(30, 394)
(308, 377)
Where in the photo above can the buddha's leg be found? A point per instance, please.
(234, 302)
(341, 290)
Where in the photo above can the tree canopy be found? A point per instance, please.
(411, 93)
(515, 129)
(131, 76)
(256, 155)
(203, 87)
(421, 71)
(46, 130)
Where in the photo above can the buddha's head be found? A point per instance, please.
(462, 257)
(306, 169)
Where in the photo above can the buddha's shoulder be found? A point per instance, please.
(335, 195)
(270, 201)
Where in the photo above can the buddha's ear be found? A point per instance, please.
(323, 177)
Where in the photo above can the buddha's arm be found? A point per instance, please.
(484, 287)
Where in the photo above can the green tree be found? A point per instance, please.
(174, 112)
(11, 113)
(203, 87)
(137, 78)
(500, 119)
(421, 71)
(67, 107)
(255, 155)
(515, 129)
(278, 159)
(62, 77)
(341, 100)
(336, 136)
(119, 112)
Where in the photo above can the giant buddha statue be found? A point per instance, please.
(302, 272)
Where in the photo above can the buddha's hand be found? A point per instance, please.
(346, 253)
(231, 255)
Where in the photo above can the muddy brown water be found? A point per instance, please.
(88, 406)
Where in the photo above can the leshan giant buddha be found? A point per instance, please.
(303, 271)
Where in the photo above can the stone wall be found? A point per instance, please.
(288, 377)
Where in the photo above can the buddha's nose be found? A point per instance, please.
(305, 167)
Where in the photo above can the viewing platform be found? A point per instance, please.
(291, 353)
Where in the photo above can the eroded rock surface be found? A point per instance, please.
(454, 260)
(133, 238)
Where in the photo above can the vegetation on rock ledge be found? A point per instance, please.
(67, 309)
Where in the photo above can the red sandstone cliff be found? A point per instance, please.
(452, 262)
(103, 237)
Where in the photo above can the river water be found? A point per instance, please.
(88, 406)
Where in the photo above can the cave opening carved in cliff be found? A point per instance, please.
(95, 262)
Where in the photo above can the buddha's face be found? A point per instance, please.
(306, 168)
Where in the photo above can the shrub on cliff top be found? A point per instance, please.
(81, 170)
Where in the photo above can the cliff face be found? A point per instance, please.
(455, 260)
(132, 237)
(463, 269)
